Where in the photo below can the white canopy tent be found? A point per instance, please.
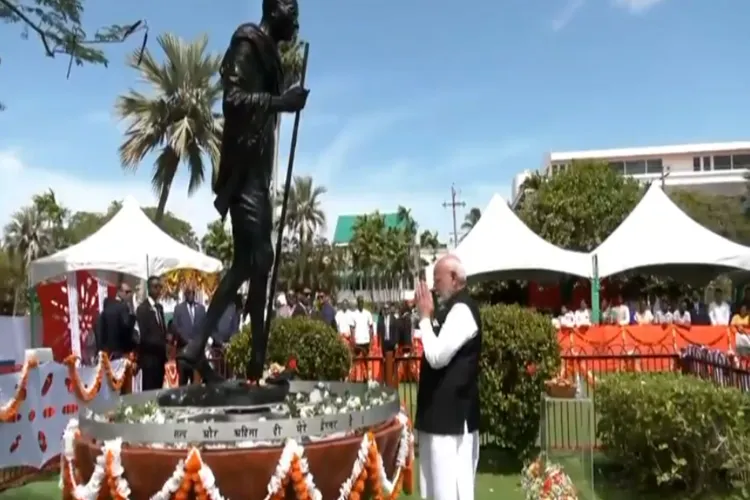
(502, 246)
(130, 243)
(657, 235)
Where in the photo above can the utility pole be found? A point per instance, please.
(453, 204)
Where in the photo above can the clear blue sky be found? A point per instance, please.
(406, 97)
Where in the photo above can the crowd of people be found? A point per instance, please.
(124, 327)
(661, 311)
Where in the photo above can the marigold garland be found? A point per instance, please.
(104, 366)
(196, 479)
(9, 411)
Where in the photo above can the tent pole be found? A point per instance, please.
(595, 284)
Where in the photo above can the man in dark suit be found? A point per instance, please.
(389, 328)
(327, 312)
(698, 311)
(404, 339)
(114, 330)
(187, 317)
(302, 307)
(152, 325)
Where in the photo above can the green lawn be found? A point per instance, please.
(489, 486)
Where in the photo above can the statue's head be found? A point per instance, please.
(282, 18)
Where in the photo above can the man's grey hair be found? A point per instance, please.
(454, 265)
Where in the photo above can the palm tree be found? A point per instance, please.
(368, 247)
(304, 214)
(470, 220)
(26, 239)
(178, 119)
(430, 240)
(53, 217)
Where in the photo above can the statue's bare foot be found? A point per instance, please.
(191, 359)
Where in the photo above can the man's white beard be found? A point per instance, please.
(442, 299)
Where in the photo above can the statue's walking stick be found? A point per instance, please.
(285, 200)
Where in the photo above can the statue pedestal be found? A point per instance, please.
(240, 451)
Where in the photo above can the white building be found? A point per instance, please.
(719, 168)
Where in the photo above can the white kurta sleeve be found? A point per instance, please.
(459, 327)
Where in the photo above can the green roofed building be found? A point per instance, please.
(345, 227)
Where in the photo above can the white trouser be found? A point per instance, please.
(448, 465)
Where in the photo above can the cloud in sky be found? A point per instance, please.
(572, 7)
(568, 12)
(637, 6)
(85, 194)
(339, 150)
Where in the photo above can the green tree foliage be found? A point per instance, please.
(724, 215)
(218, 243)
(177, 120)
(580, 206)
(382, 255)
(314, 265)
(520, 352)
(318, 349)
(58, 26)
(304, 216)
(83, 224)
(669, 430)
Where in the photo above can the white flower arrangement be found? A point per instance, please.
(318, 402)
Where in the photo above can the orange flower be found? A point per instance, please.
(9, 412)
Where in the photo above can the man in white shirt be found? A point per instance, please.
(583, 315)
(448, 398)
(664, 314)
(623, 312)
(567, 318)
(682, 316)
(362, 327)
(345, 319)
(719, 311)
(643, 315)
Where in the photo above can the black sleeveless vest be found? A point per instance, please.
(448, 397)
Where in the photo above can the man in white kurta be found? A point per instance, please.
(448, 401)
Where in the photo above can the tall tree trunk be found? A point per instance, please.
(161, 208)
(171, 169)
(15, 301)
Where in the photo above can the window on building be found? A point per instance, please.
(635, 167)
(696, 163)
(706, 163)
(617, 166)
(558, 167)
(741, 161)
(723, 162)
(654, 166)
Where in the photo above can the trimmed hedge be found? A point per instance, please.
(319, 350)
(673, 430)
(519, 353)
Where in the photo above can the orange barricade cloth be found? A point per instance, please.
(606, 348)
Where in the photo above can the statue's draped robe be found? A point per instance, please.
(251, 73)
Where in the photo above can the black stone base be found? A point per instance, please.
(230, 393)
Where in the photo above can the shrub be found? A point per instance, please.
(672, 429)
(319, 350)
(519, 353)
